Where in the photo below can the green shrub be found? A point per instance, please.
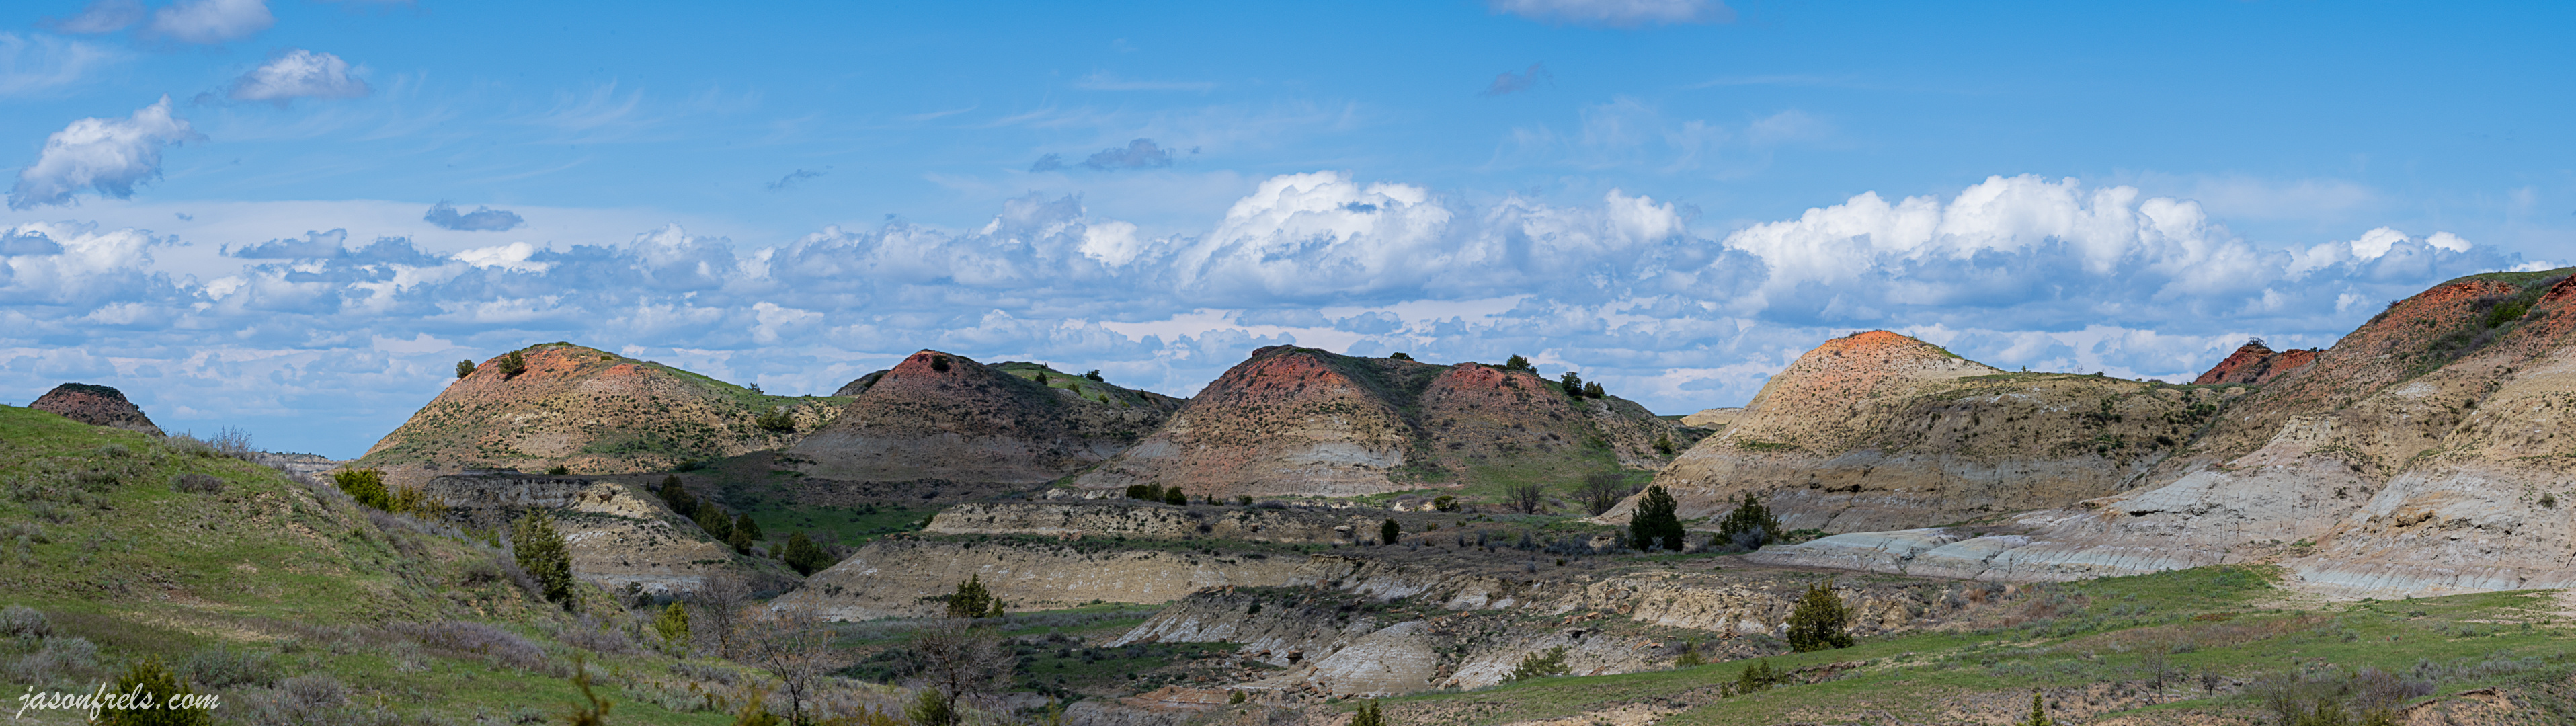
(1750, 525)
(1535, 665)
(1445, 503)
(776, 419)
(1368, 715)
(540, 551)
(1818, 621)
(1758, 675)
(1570, 383)
(804, 557)
(715, 522)
(1174, 497)
(1389, 532)
(673, 624)
(365, 485)
(558, 470)
(972, 600)
(931, 710)
(1517, 363)
(750, 530)
(1690, 655)
(513, 364)
(1399, 355)
(464, 368)
(1593, 390)
(1094, 375)
(678, 498)
(170, 703)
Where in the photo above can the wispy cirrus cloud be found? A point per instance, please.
(298, 73)
(1509, 82)
(31, 64)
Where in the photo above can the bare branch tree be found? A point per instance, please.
(719, 602)
(961, 661)
(793, 644)
(1526, 497)
(1603, 490)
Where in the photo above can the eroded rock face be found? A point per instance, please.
(1152, 521)
(1337, 650)
(97, 406)
(1879, 431)
(1303, 422)
(616, 535)
(2395, 464)
(894, 576)
(940, 416)
(591, 411)
(2257, 363)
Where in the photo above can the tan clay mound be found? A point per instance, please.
(1880, 431)
(591, 411)
(941, 416)
(97, 406)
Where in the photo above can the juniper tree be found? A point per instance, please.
(540, 550)
(1750, 525)
(464, 368)
(1389, 532)
(804, 557)
(1818, 621)
(513, 364)
(1655, 523)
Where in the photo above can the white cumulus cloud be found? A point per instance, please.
(110, 155)
(298, 73)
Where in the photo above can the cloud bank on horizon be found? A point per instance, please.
(2022, 270)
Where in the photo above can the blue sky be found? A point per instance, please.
(1675, 197)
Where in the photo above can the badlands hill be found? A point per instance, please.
(1881, 431)
(1301, 421)
(95, 405)
(593, 412)
(942, 417)
(2419, 454)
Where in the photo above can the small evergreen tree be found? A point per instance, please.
(1368, 715)
(1757, 676)
(1399, 355)
(464, 368)
(972, 600)
(1690, 655)
(749, 529)
(540, 550)
(1570, 383)
(2038, 714)
(1817, 622)
(161, 687)
(1751, 525)
(714, 521)
(513, 364)
(1516, 363)
(1174, 497)
(741, 542)
(1389, 532)
(931, 710)
(673, 624)
(1654, 522)
(804, 557)
(1534, 665)
(678, 497)
(1094, 375)
(1593, 390)
(1664, 444)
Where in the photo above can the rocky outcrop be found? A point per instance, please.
(1121, 518)
(1331, 642)
(1303, 422)
(97, 406)
(2257, 363)
(617, 535)
(1713, 418)
(2419, 455)
(1880, 431)
(591, 411)
(943, 417)
(904, 575)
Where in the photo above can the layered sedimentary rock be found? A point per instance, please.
(1881, 431)
(2420, 454)
(903, 575)
(943, 417)
(1300, 421)
(617, 536)
(591, 411)
(97, 406)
